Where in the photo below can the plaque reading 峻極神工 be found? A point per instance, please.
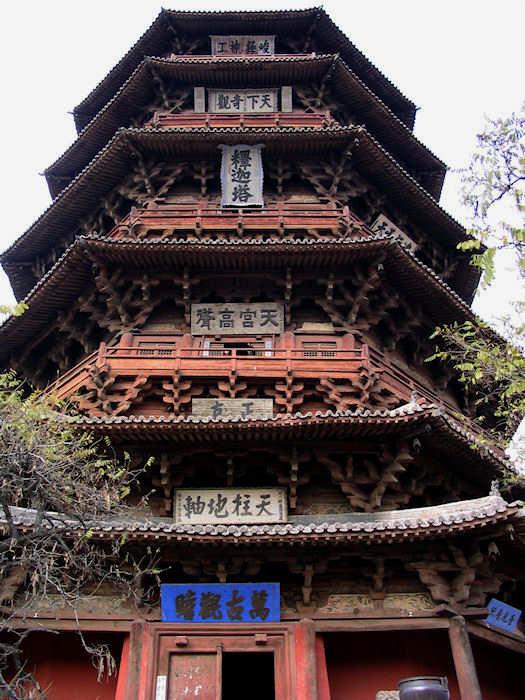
(232, 408)
(264, 318)
(230, 505)
(243, 45)
(241, 176)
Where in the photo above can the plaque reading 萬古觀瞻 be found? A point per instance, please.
(230, 505)
(264, 318)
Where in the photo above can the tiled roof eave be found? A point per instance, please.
(73, 268)
(308, 425)
(154, 41)
(104, 168)
(60, 166)
(392, 526)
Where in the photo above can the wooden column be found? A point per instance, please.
(139, 662)
(464, 660)
(323, 686)
(305, 660)
(123, 671)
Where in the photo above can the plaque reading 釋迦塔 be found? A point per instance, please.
(241, 176)
(232, 408)
(264, 318)
(230, 505)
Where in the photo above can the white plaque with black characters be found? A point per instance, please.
(230, 505)
(232, 408)
(243, 45)
(261, 318)
(242, 176)
(256, 101)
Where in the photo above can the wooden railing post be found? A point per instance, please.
(465, 666)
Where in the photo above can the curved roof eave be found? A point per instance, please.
(396, 135)
(155, 41)
(111, 163)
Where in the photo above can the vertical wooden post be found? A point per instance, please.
(464, 660)
(305, 660)
(122, 679)
(139, 662)
(323, 686)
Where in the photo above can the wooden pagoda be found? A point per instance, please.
(238, 275)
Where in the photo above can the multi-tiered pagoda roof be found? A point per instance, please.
(373, 445)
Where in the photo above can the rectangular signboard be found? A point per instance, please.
(243, 45)
(220, 602)
(242, 175)
(232, 408)
(258, 101)
(230, 505)
(263, 318)
(502, 615)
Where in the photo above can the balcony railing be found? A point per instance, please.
(205, 216)
(191, 120)
(165, 359)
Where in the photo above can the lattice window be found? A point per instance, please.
(156, 349)
(319, 348)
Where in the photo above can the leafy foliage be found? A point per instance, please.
(54, 475)
(493, 371)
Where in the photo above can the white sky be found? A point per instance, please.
(457, 60)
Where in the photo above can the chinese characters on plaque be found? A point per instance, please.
(237, 319)
(220, 602)
(246, 101)
(232, 408)
(241, 176)
(243, 45)
(502, 615)
(383, 225)
(230, 505)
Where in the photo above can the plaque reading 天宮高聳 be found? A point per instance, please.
(262, 318)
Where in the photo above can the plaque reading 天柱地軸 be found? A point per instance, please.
(246, 101)
(230, 505)
(241, 176)
(243, 45)
(232, 408)
(220, 602)
(261, 318)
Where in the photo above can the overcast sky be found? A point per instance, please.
(457, 60)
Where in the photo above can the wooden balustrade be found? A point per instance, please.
(200, 216)
(189, 120)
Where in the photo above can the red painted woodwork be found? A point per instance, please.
(323, 685)
(500, 671)
(191, 120)
(360, 664)
(120, 693)
(200, 216)
(64, 669)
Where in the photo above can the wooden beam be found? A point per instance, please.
(479, 629)
(464, 660)
(305, 660)
(378, 625)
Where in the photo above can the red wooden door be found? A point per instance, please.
(191, 666)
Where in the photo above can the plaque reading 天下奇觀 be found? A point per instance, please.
(246, 101)
(230, 505)
(264, 318)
